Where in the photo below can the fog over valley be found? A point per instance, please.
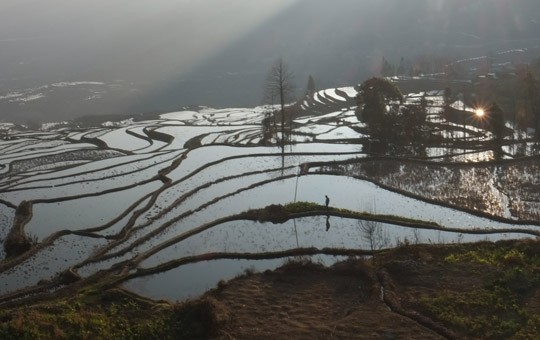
(63, 59)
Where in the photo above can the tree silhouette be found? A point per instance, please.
(496, 121)
(532, 97)
(279, 84)
(401, 68)
(380, 100)
(310, 89)
(387, 70)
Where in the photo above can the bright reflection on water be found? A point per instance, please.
(254, 237)
(194, 279)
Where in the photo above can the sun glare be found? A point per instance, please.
(479, 113)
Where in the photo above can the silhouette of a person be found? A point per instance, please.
(327, 201)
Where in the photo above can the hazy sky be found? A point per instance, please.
(217, 52)
(120, 36)
(150, 39)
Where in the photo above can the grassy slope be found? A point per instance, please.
(468, 290)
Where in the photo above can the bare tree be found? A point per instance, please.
(279, 84)
(373, 233)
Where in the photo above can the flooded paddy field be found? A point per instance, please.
(165, 207)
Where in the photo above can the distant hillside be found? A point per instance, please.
(162, 61)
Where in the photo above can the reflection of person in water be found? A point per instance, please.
(327, 222)
(327, 201)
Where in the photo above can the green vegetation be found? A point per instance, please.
(483, 290)
(490, 313)
(498, 308)
(299, 207)
(113, 314)
(304, 207)
(503, 256)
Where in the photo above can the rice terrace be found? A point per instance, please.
(434, 229)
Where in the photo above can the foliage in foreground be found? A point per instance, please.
(504, 305)
(111, 315)
(498, 309)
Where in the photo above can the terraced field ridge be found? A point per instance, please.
(167, 207)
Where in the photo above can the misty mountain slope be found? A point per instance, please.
(342, 43)
(166, 55)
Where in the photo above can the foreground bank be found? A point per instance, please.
(424, 291)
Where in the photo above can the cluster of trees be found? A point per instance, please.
(420, 65)
(396, 127)
(381, 107)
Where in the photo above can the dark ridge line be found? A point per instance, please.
(185, 235)
(31, 151)
(38, 148)
(124, 232)
(175, 164)
(435, 158)
(160, 136)
(425, 225)
(8, 204)
(190, 212)
(10, 145)
(196, 142)
(122, 236)
(226, 159)
(129, 229)
(327, 100)
(61, 152)
(16, 242)
(477, 146)
(107, 278)
(109, 224)
(102, 145)
(344, 94)
(11, 189)
(247, 216)
(429, 200)
(334, 101)
(50, 239)
(507, 162)
(11, 183)
(131, 207)
(104, 192)
(12, 262)
(136, 135)
(18, 296)
(239, 256)
(49, 288)
(102, 255)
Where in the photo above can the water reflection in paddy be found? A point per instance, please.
(253, 237)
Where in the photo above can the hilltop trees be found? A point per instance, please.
(387, 70)
(388, 121)
(380, 100)
(310, 88)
